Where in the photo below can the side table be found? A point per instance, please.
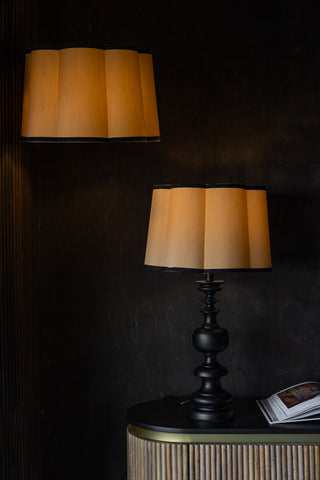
(163, 444)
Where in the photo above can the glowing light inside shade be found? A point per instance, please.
(209, 228)
(89, 93)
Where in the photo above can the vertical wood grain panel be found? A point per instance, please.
(213, 461)
(185, 465)
(158, 465)
(218, 461)
(256, 463)
(235, 459)
(295, 462)
(202, 462)
(317, 460)
(300, 462)
(306, 462)
(154, 462)
(229, 461)
(179, 462)
(163, 461)
(267, 463)
(284, 461)
(311, 463)
(246, 462)
(168, 463)
(174, 462)
(207, 462)
(273, 462)
(224, 462)
(191, 462)
(19, 407)
(196, 462)
(289, 462)
(251, 462)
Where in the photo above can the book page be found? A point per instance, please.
(296, 399)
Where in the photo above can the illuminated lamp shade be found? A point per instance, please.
(89, 94)
(209, 228)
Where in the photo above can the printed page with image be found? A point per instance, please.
(299, 402)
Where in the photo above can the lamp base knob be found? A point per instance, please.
(219, 414)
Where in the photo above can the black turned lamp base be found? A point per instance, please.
(210, 403)
(223, 414)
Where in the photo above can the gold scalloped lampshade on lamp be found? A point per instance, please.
(209, 228)
(89, 94)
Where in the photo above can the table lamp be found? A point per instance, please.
(208, 229)
(89, 94)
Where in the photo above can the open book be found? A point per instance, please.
(299, 403)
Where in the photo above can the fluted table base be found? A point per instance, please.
(155, 460)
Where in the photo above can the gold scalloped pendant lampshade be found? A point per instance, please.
(83, 94)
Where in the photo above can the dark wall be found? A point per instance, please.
(19, 372)
(238, 98)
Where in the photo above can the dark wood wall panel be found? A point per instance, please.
(19, 408)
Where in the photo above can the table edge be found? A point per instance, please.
(234, 438)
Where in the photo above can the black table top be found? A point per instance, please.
(170, 415)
